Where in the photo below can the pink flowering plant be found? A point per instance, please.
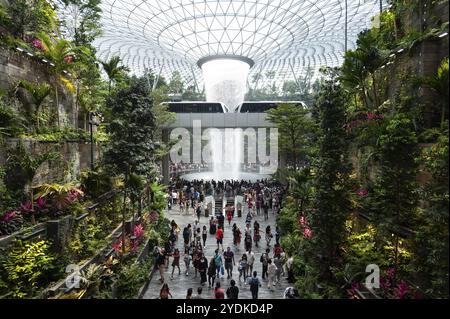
(10, 222)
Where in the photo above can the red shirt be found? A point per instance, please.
(219, 234)
(219, 293)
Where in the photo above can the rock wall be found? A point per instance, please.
(75, 156)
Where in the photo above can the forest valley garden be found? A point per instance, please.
(367, 172)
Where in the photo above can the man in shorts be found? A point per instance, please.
(228, 256)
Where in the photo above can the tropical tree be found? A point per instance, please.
(30, 16)
(295, 129)
(38, 93)
(394, 200)
(358, 71)
(131, 128)
(60, 52)
(114, 70)
(331, 203)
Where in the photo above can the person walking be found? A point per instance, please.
(219, 292)
(221, 220)
(228, 256)
(268, 235)
(219, 237)
(186, 235)
(256, 233)
(211, 272)
(212, 226)
(187, 261)
(233, 290)
(271, 273)
(254, 283)
(278, 262)
(198, 236)
(161, 264)
(229, 215)
(250, 262)
(176, 262)
(243, 264)
(265, 262)
(164, 293)
(218, 262)
(202, 268)
(204, 235)
(248, 242)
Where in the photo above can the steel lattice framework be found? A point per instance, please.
(285, 38)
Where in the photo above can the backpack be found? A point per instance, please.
(186, 233)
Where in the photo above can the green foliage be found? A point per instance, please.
(331, 201)
(96, 182)
(11, 123)
(21, 166)
(114, 70)
(432, 239)
(38, 93)
(28, 266)
(130, 279)
(295, 129)
(26, 17)
(395, 192)
(131, 131)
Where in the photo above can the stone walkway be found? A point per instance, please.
(180, 283)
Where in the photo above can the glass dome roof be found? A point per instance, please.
(285, 38)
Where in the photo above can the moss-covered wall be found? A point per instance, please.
(16, 66)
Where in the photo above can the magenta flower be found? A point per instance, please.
(302, 220)
(8, 216)
(402, 290)
(74, 194)
(362, 192)
(38, 44)
(27, 206)
(307, 232)
(138, 231)
(40, 202)
(117, 246)
(385, 284)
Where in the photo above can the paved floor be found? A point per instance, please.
(180, 283)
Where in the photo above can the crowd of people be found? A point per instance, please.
(259, 198)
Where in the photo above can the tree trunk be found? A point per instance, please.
(57, 106)
(124, 213)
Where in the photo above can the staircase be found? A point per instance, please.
(218, 207)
